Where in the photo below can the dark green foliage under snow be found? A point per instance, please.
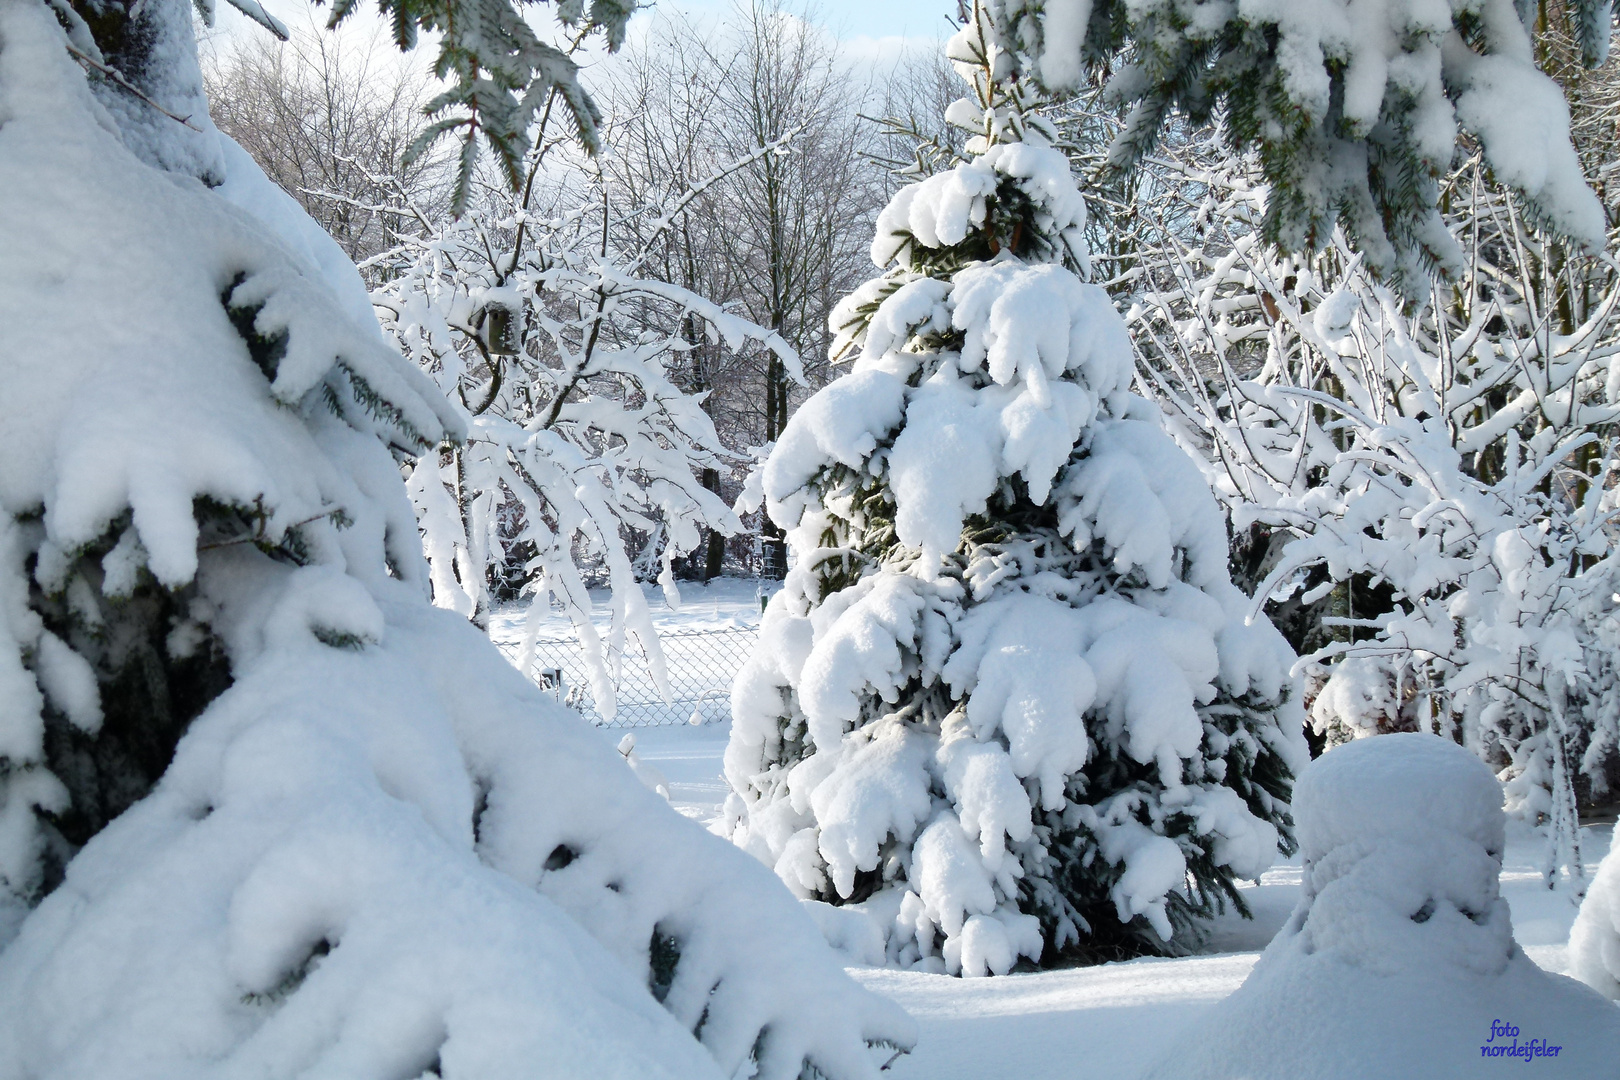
(1007, 701)
(1354, 122)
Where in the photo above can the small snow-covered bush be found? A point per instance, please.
(264, 811)
(1401, 947)
(1007, 699)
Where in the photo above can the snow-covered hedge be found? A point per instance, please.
(1400, 959)
(377, 851)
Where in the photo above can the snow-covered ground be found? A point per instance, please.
(723, 602)
(704, 642)
(689, 757)
(1107, 1021)
(1116, 1019)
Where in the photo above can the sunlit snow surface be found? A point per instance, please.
(1109, 1021)
(689, 757)
(1117, 1019)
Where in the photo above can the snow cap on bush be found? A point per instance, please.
(1401, 944)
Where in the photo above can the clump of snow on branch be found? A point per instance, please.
(1008, 703)
(378, 850)
(1356, 108)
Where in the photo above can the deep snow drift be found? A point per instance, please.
(1111, 1020)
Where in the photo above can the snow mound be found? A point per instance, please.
(1402, 946)
(366, 861)
(1594, 940)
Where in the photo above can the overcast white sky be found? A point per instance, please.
(850, 20)
(859, 18)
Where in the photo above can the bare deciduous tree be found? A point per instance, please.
(780, 240)
(327, 122)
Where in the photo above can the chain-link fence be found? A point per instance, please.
(701, 666)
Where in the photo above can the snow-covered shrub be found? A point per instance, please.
(1400, 956)
(555, 348)
(1007, 698)
(264, 811)
(1430, 484)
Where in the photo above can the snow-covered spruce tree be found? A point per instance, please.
(1007, 699)
(1354, 109)
(264, 811)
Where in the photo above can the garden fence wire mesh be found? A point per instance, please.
(701, 665)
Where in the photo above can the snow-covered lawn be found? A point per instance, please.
(723, 602)
(1107, 1021)
(689, 757)
(1115, 1020)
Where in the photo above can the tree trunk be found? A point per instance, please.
(776, 394)
(715, 553)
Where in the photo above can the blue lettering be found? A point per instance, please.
(1509, 1045)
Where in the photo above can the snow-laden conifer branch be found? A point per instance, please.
(251, 8)
(1353, 110)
